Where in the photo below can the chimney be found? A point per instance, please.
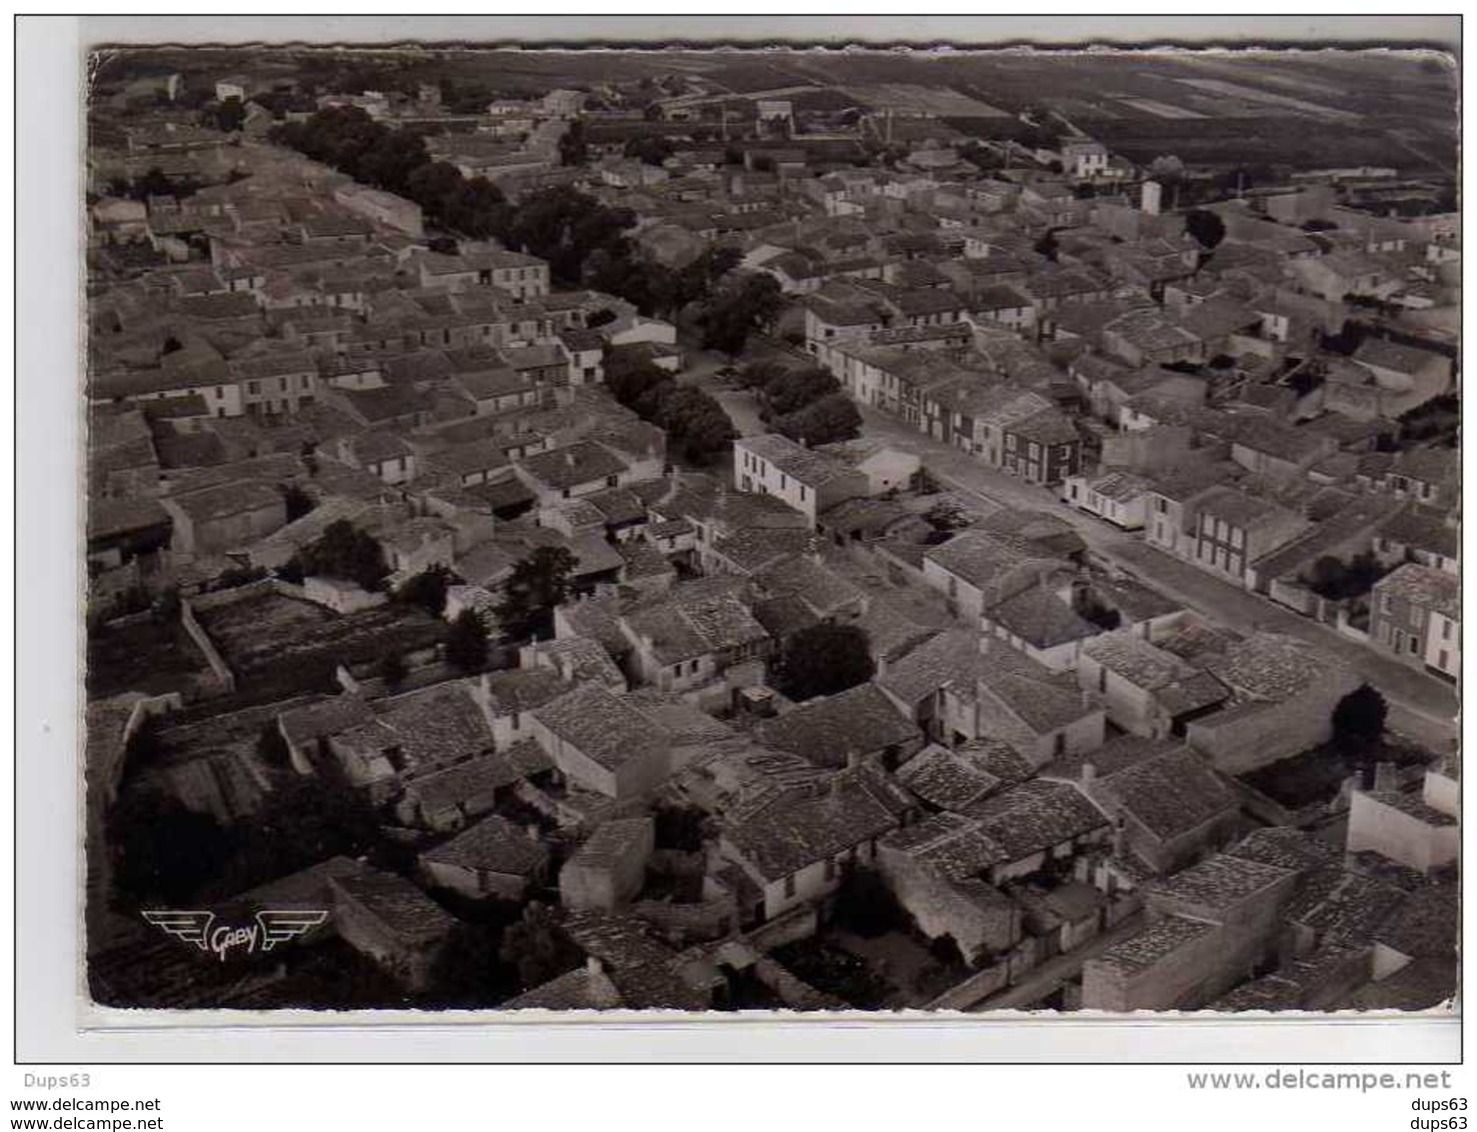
(534, 834)
(1089, 774)
(853, 758)
(1151, 197)
(1385, 777)
(569, 458)
(593, 966)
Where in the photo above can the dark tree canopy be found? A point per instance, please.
(1331, 578)
(538, 584)
(230, 115)
(742, 304)
(696, 424)
(1207, 228)
(428, 589)
(1360, 716)
(466, 643)
(825, 659)
(344, 551)
(794, 389)
(298, 501)
(833, 418)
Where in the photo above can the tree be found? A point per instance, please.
(390, 163)
(1167, 169)
(794, 389)
(758, 374)
(298, 501)
(344, 551)
(466, 643)
(833, 418)
(536, 947)
(825, 659)
(866, 905)
(1360, 716)
(1358, 725)
(633, 383)
(741, 305)
(538, 583)
(428, 589)
(1207, 228)
(652, 149)
(431, 184)
(230, 115)
(695, 422)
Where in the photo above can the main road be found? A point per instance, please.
(1421, 706)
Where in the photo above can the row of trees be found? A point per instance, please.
(696, 425)
(807, 405)
(584, 242)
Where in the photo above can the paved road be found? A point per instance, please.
(701, 371)
(1421, 706)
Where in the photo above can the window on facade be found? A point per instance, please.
(1414, 644)
(802, 493)
(1238, 537)
(790, 885)
(830, 869)
(1446, 630)
(1444, 660)
(252, 387)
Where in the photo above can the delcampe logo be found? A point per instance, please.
(271, 928)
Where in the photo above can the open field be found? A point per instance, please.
(910, 98)
(1222, 109)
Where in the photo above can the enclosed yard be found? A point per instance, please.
(1316, 774)
(281, 646)
(145, 656)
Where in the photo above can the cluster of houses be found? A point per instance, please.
(1047, 754)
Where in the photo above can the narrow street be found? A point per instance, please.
(1421, 706)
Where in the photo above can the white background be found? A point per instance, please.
(48, 247)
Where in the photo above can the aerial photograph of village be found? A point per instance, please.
(759, 530)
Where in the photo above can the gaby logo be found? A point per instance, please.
(271, 928)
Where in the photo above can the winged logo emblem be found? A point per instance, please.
(192, 927)
(204, 930)
(280, 926)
